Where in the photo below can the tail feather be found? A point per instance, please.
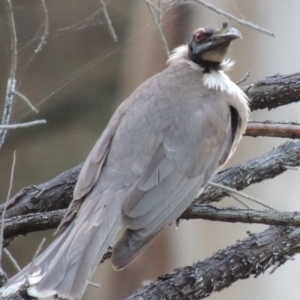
(129, 247)
(67, 265)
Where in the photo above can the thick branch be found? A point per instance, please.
(255, 170)
(253, 256)
(274, 91)
(52, 195)
(233, 215)
(289, 130)
(22, 225)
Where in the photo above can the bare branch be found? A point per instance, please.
(26, 100)
(267, 166)
(158, 26)
(274, 91)
(237, 199)
(12, 259)
(244, 78)
(232, 17)
(11, 83)
(46, 28)
(233, 215)
(34, 222)
(5, 204)
(235, 192)
(23, 125)
(7, 108)
(252, 256)
(109, 23)
(157, 8)
(13, 35)
(22, 225)
(273, 129)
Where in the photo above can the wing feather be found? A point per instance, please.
(189, 154)
(91, 169)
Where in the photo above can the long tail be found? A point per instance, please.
(67, 265)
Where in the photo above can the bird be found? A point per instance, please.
(157, 153)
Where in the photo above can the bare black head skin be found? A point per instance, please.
(208, 47)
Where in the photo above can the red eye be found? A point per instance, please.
(199, 36)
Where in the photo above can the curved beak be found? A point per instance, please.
(229, 34)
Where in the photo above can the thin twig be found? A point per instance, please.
(158, 26)
(7, 108)
(13, 43)
(234, 18)
(244, 78)
(159, 12)
(234, 191)
(109, 23)
(157, 8)
(26, 100)
(11, 83)
(12, 259)
(46, 28)
(273, 129)
(7, 199)
(23, 125)
(39, 249)
(94, 284)
(239, 200)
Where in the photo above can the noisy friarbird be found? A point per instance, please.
(160, 148)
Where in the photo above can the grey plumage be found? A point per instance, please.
(157, 153)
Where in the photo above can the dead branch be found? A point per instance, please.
(252, 256)
(234, 215)
(22, 225)
(289, 130)
(267, 166)
(274, 91)
(232, 17)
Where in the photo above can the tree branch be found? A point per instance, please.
(34, 222)
(289, 130)
(233, 215)
(252, 256)
(267, 166)
(234, 18)
(274, 91)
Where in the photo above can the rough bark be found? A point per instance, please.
(252, 256)
(273, 91)
(234, 215)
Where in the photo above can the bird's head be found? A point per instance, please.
(208, 47)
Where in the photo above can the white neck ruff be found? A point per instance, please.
(214, 80)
